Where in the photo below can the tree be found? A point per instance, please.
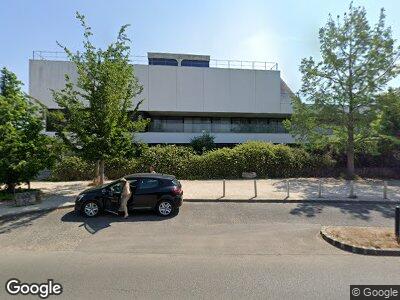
(202, 143)
(386, 127)
(24, 149)
(97, 119)
(339, 92)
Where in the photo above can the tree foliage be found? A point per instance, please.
(339, 93)
(24, 149)
(202, 143)
(386, 127)
(98, 118)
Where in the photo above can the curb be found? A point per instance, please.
(324, 201)
(356, 249)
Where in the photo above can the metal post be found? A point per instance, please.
(223, 188)
(385, 190)
(352, 195)
(287, 189)
(255, 188)
(397, 223)
(320, 188)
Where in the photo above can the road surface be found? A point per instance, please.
(210, 250)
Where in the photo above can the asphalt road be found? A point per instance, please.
(215, 250)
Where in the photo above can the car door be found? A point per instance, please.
(112, 197)
(146, 193)
(133, 182)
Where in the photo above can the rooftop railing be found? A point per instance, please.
(143, 60)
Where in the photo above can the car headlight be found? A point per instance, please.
(80, 197)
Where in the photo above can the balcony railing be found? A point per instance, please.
(143, 60)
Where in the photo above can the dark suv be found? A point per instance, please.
(160, 192)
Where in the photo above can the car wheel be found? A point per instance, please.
(91, 209)
(165, 208)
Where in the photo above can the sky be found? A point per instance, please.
(282, 31)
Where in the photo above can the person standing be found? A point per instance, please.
(125, 196)
(152, 169)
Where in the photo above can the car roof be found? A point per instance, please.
(150, 175)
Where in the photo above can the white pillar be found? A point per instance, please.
(319, 188)
(385, 190)
(287, 189)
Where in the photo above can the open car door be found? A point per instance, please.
(112, 197)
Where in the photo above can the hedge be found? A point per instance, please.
(267, 160)
(72, 168)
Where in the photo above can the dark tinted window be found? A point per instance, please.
(163, 62)
(194, 63)
(167, 124)
(148, 183)
(116, 188)
(176, 182)
(132, 183)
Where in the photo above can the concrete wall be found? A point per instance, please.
(180, 89)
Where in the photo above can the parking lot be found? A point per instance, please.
(228, 250)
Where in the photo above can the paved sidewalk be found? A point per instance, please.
(62, 194)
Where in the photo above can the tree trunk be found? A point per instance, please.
(350, 153)
(96, 180)
(11, 188)
(101, 170)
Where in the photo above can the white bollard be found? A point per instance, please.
(320, 188)
(255, 188)
(223, 188)
(385, 190)
(287, 189)
(352, 195)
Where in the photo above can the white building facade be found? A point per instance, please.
(185, 95)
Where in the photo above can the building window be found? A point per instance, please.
(166, 124)
(195, 63)
(221, 125)
(196, 124)
(217, 125)
(241, 125)
(163, 62)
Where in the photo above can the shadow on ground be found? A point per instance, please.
(367, 189)
(9, 223)
(94, 225)
(360, 211)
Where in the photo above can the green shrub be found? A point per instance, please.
(168, 159)
(119, 167)
(72, 168)
(267, 160)
(220, 163)
(202, 143)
